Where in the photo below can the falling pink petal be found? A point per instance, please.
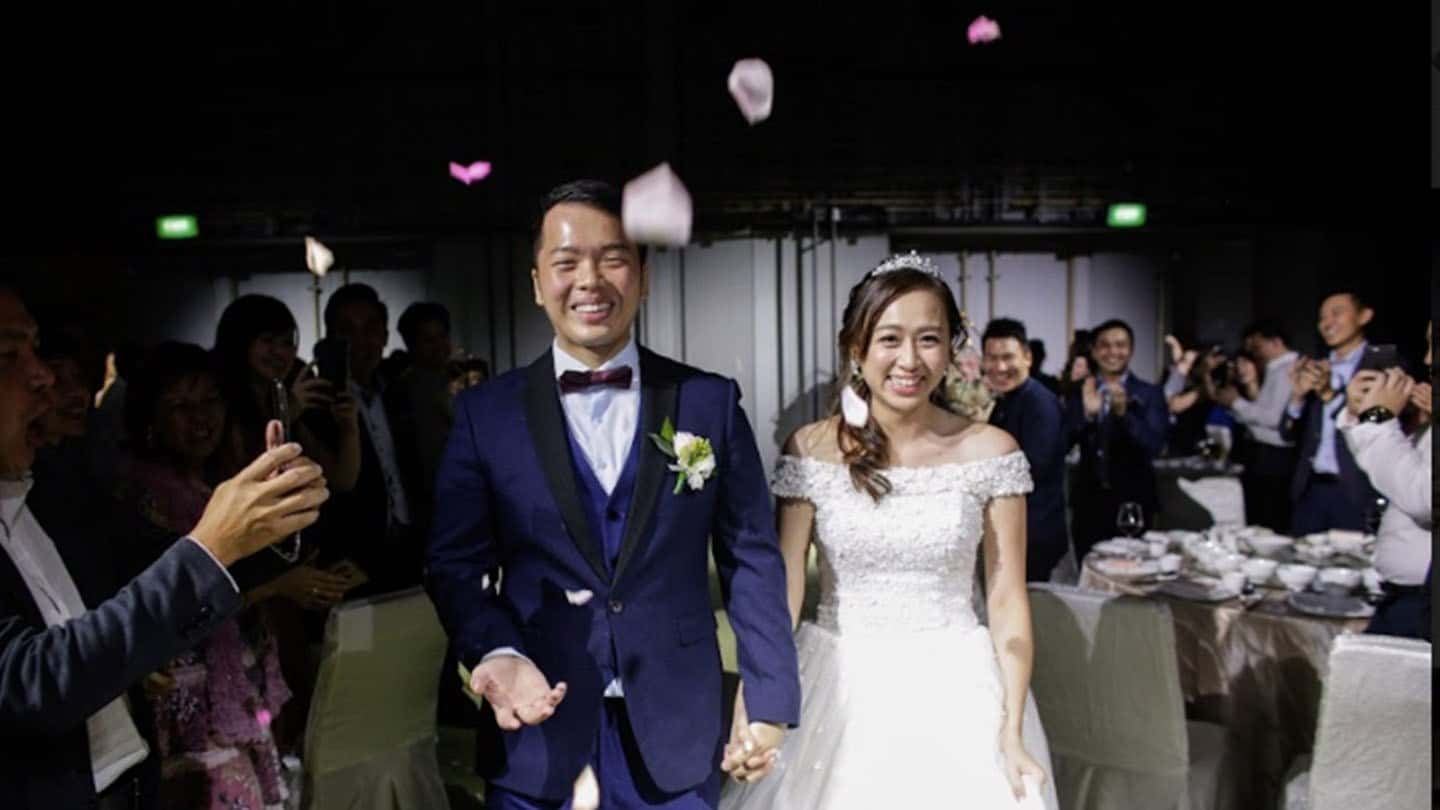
(263, 718)
(983, 29)
(655, 208)
(473, 173)
(752, 85)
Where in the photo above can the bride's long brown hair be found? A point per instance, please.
(866, 450)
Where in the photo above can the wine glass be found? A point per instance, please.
(1130, 519)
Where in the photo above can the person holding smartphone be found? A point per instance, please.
(1400, 467)
(1328, 490)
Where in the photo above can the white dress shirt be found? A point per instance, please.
(115, 744)
(602, 422)
(372, 415)
(1264, 414)
(1399, 468)
(602, 419)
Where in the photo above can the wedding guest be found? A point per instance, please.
(1258, 403)
(213, 703)
(1119, 422)
(1078, 365)
(68, 654)
(1328, 490)
(422, 399)
(1030, 413)
(1399, 466)
(1037, 369)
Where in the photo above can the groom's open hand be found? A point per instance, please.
(753, 747)
(516, 690)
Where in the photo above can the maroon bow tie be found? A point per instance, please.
(572, 381)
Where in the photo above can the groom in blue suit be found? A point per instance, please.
(569, 566)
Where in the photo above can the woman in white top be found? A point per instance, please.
(1399, 467)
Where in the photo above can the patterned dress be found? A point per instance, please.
(213, 704)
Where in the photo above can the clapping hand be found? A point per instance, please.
(1090, 398)
(753, 748)
(1119, 400)
(517, 691)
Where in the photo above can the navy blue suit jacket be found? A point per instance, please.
(506, 498)
(1118, 452)
(1305, 432)
(53, 678)
(1033, 415)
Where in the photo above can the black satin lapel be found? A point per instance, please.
(548, 433)
(657, 403)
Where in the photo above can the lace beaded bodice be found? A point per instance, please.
(906, 563)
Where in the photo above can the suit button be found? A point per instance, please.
(616, 606)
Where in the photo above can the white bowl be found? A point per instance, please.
(1269, 545)
(1259, 570)
(1342, 579)
(1170, 563)
(1348, 542)
(1296, 577)
(1225, 563)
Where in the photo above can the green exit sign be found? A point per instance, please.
(1126, 215)
(179, 226)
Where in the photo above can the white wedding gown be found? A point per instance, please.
(902, 699)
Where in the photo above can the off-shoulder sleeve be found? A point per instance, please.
(791, 478)
(1005, 475)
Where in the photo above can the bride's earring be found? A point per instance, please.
(853, 407)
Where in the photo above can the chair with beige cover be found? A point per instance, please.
(1108, 687)
(1373, 742)
(370, 740)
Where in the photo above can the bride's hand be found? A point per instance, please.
(1019, 764)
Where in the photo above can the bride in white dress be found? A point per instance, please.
(908, 700)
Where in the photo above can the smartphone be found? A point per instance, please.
(1379, 357)
(332, 360)
(277, 432)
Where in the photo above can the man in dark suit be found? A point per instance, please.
(1037, 367)
(67, 739)
(1032, 414)
(1120, 421)
(379, 524)
(600, 649)
(1329, 490)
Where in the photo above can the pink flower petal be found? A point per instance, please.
(752, 85)
(475, 172)
(983, 29)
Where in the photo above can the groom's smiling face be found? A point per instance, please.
(589, 279)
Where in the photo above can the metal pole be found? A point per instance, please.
(1069, 302)
(990, 285)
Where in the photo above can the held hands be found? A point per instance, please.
(311, 588)
(516, 690)
(753, 748)
(1423, 400)
(262, 504)
(1019, 764)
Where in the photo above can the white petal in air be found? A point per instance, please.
(752, 85)
(587, 791)
(578, 597)
(318, 258)
(656, 208)
(854, 408)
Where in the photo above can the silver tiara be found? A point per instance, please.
(907, 261)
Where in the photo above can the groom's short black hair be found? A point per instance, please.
(594, 193)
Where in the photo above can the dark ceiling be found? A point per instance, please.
(340, 117)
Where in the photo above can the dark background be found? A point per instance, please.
(1297, 132)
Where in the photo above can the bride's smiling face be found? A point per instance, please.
(908, 352)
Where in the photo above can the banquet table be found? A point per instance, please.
(1257, 670)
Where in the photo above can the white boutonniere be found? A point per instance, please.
(694, 458)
